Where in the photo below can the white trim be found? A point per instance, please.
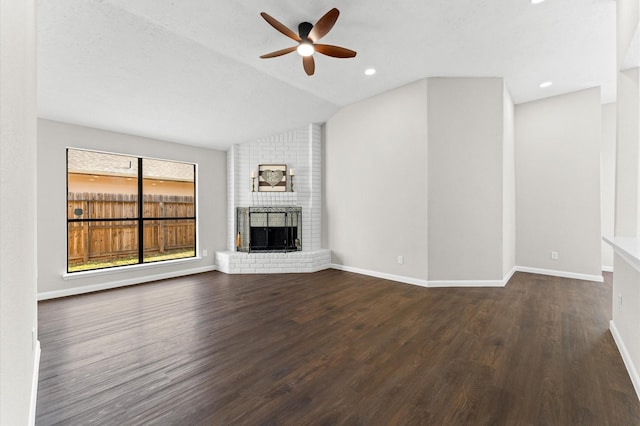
(115, 284)
(127, 268)
(628, 362)
(562, 274)
(383, 275)
(466, 283)
(34, 384)
(626, 247)
(510, 274)
(474, 283)
(607, 268)
(425, 283)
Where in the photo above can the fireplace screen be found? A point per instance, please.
(268, 229)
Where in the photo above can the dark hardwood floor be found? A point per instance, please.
(333, 348)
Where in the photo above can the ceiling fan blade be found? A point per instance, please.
(280, 27)
(324, 25)
(278, 52)
(309, 64)
(334, 51)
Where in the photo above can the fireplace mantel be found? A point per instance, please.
(273, 198)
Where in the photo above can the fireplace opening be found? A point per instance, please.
(268, 229)
(273, 238)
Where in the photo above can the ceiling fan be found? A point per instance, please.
(307, 38)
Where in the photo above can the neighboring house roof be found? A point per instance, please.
(99, 163)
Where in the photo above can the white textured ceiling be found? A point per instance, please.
(189, 71)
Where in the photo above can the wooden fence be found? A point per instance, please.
(100, 240)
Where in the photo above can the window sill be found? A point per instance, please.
(128, 268)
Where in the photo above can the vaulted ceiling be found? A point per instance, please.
(189, 71)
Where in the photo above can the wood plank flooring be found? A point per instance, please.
(333, 348)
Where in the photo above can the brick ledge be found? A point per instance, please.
(232, 262)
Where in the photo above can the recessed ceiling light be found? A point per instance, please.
(536, 1)
(545, 84)
(370, 71)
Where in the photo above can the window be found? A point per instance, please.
(124, 210)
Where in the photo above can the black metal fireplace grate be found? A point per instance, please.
(268, 229)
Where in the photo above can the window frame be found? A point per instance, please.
(140, 219)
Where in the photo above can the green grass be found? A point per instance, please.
(169, 255)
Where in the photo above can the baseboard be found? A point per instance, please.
(383, 275)
(468, 283)
(562, 274)
(425, 283)
(628, 362)
(321, 268)
(34, 384)
(122, 283)
(474, 283)
(607, 268)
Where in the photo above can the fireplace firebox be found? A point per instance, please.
(268, 229)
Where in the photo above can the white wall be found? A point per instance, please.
(558, 182)
(627, 154)
(508, 187)
(627, 20)
(608, 180)
(465, 178)
(425, 172)
(376, 183)
(53, 139)
(626, 316)
(626, 276)
(19, 352)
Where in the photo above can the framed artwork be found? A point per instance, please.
(272, 178)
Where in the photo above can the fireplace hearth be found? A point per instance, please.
(268, 229)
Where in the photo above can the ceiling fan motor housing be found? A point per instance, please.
(304, 28)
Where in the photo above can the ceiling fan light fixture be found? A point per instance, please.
(305, 48)
(307, 39)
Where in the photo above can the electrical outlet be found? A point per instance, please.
(205, 253)
(400, 260)
(619, 302)
(554, 255)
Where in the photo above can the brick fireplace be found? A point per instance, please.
(300, 150)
